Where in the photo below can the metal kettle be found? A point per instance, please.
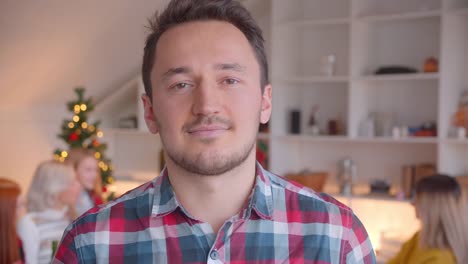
(346, 175)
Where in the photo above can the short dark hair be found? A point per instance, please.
(183, 11)
(439, 183)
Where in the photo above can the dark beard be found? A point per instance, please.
(212, 167)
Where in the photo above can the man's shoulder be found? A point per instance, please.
(134, 203)
(296, 196)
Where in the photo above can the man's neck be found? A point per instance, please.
(214, 199)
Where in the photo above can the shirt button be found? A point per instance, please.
(214, 255)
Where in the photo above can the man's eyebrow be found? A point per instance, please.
(173, 71)
(230, 66)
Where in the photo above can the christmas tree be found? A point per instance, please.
(77, 132)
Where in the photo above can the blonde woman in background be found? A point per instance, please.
(50, 203)
(441, 206)
(87, 173)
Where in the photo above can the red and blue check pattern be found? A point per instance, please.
(283, 222)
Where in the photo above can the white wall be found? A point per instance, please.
(27, 137)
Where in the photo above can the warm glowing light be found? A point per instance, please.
(97, 155)
(64, 154)
(76, 118)
(101, 164)
(83, 107)
(91, 128)
(71, 125)
(76, 109)
(100, 134)
(84, 125)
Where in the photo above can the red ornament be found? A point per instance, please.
(95, 143)
(73, 137)
(261, 157)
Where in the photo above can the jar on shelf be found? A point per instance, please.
(328, 65)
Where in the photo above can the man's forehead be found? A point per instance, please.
(222, 35)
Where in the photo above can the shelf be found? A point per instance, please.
(461, 11)
(455, 141)
(317, 22)
(400, 77)
(302, 138)
(346, 139)
(370, 196)
(317, 79)
(401, 16)
(409, 140)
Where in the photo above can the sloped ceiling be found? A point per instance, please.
(49, 47)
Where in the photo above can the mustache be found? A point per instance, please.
(206, 121)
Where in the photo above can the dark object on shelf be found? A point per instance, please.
(333, 127)
(295, 116)
(379, 186)
(431, 65)
(395, 70)
(264, 128)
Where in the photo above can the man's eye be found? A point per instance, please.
(231, 81)
(181, 86)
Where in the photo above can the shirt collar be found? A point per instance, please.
(261, 200)
(164, 199)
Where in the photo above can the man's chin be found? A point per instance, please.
(208, 163)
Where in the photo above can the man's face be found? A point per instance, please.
(207, 102)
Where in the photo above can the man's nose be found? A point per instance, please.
(207, 99)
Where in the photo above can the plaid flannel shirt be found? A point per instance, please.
(283, 222)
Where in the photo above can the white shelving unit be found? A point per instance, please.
(365, 35)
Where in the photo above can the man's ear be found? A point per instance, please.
(150, 118)
(265, 114)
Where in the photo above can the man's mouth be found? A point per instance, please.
(208, 130)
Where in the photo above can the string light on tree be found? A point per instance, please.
(79, 132)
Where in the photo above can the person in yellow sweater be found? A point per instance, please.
(441, 206)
